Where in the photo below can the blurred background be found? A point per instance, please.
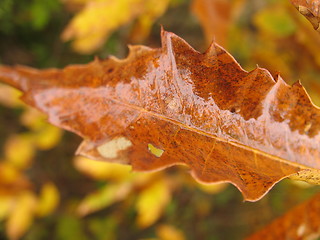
(48, 193)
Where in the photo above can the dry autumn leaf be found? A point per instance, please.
(174, 105)
(310, 9)
(303, 222)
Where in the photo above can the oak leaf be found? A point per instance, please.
(310, 9)
(302, 222)
(174, 105)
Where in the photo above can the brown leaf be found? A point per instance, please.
(303, 222)
(310, 9)
(216, 17)
(174, 105)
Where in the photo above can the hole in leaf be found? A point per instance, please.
(155, 151)
(110, 149)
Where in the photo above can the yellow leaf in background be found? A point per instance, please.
(169, 232)
(48, 137)
(91, 26)
(44, 135)
(33, 119)
(275, 21)
(212, 188)
(9, 96)
(8, 173)
(48, 199)
(301, 184)
(95, 22)
(151, 202)
(104, 197)
(141, 179)
(19, 150)
(102, 170)
(5, 206)
(142, 27)
(12, 181)
(21, 216)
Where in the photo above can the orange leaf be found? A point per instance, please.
(168, 232)
(300, 223)
(174, 105)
